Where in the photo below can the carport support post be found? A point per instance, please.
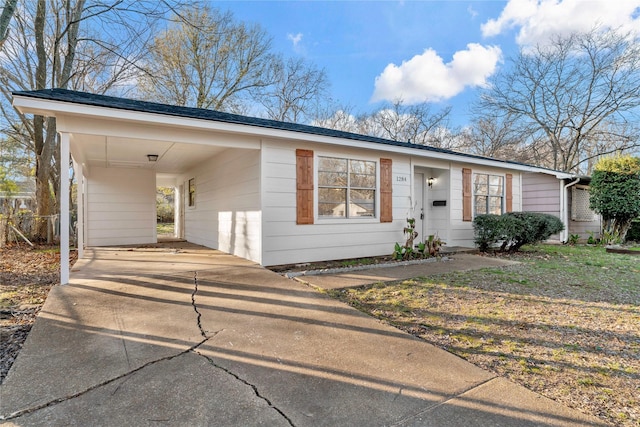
(79, 173)
(64, 208)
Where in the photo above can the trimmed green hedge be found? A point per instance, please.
(510, 231)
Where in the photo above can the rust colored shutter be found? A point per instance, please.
(467, 215)
(509, 193)
(386, 191)
(304, 187)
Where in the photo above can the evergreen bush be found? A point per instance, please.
(510, 231)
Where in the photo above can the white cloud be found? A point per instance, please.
(472, 12)
(295, 39)
(426, 78)
(537, 20)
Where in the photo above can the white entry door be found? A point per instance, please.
(418, 211)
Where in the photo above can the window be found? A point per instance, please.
(346, 188)
(488, 194)
(192, 192)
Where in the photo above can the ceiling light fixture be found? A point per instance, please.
(152, 157)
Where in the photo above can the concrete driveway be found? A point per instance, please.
(191, 336)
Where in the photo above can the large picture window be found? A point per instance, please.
(488, 194)
(346, 188)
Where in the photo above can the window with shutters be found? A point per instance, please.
(346, 188)
(488, 194)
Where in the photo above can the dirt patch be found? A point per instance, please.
(26, 276)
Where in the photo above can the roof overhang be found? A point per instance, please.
(80, 118)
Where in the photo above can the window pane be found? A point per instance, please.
(363, 174)
(481, 205)
(480, 184)
(331, 164)
(332, 179)
(495, 205)
(332, 202)
(362, 203)
(495, 180)
(495, 185)
(363, 181)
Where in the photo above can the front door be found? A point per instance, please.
(418, 205)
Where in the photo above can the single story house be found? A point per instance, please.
(269, 191)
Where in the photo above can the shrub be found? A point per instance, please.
(488, 230)
(514, 229)
(615, 194)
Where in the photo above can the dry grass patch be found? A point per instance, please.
(564, 323)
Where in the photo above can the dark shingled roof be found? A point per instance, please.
(64, 95)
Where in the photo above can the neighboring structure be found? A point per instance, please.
(272, 192)
(566, 199)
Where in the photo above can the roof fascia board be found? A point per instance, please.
(55, 108)
(160, 132)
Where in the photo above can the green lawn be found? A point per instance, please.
(565, 322)
(164, 228)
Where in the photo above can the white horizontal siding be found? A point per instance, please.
(285, 242)
(462, 233)
(227, 213)
(121, 206)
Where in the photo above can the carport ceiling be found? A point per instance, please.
(117, 152)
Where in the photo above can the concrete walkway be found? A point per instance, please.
(190, 336)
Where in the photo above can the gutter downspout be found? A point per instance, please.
(564, 235)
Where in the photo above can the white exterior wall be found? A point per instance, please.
(285, 242)
(461, 233)
(121, 206)
(227, 214)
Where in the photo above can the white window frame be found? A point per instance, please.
(488, 195)
(354, 219)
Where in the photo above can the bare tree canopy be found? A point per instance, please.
(91, 45)
(206, 59)
(298, 92)
(417, 124)
(573, 100)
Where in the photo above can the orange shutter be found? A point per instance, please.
(386, 191)
(304, 187)
(467, 214)
(509, 193)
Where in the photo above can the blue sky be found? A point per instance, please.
(440, 52)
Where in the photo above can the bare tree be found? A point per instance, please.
(577, 96)
(206, 59)
(498, 137)
(5, 19)
(68, 44)
(416, 124)
(298, 92)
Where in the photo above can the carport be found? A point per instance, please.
(119, 157)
